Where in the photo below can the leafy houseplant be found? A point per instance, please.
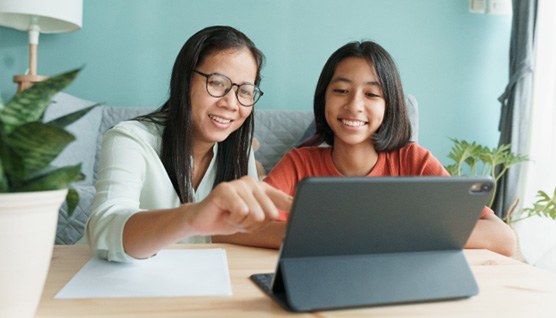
(31, 191)
(482, 161)
(545, 206)
(28, 146)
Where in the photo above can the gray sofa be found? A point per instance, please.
(277, 131)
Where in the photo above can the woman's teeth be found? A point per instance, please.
(220, 119)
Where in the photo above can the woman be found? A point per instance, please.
(361, 114)
(186, 171)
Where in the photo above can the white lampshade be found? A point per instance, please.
(35, 17)
(51, 16)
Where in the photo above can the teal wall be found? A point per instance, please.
(454, 62)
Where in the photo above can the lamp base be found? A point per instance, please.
(26, 81)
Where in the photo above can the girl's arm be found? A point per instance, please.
(492, 233)
(270, 236)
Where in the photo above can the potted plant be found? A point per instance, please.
(31, 191)
(478, 160)
(475, 159)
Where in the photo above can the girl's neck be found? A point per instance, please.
(354, 161)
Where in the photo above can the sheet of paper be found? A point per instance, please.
(196, 272)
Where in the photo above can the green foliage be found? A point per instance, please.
(545, 206)
(28, 145)
(481, 160)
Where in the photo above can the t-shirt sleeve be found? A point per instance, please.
(421, 162)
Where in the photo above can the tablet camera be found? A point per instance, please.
(481, 187)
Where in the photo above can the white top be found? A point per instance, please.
(131, 178)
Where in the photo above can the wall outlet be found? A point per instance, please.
(477, 6)
(500, 7)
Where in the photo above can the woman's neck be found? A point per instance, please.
(354, 161)
(202, 156)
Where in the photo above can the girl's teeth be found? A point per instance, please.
(353, 123)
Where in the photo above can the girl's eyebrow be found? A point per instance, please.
(347, 80)
(341, 79)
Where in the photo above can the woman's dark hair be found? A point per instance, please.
(395, 131)
(175, 113)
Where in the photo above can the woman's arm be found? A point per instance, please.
(282, 177)
(244, 205)
(131, 212)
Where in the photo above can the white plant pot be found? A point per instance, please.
(27, 230)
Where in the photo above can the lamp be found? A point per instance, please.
(39, 16)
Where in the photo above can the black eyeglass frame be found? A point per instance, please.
(258, 92)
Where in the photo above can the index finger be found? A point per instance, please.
(282, 200)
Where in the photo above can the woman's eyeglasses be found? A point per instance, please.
(219, 85)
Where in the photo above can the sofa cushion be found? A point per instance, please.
(70, 229)
(278, 131)
(83, 129)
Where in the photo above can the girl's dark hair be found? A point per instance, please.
(395, 131)
(175, 114)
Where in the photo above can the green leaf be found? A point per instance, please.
(56, 179)
(452, 169)
(37, 144)
(511, 159)
(72, 199)
(30, 104)
(66, 120)
(464, 152)
(11, 161)
(545, 206)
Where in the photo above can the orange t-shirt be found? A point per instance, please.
(299, 163)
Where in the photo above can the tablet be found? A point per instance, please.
(362, 241)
